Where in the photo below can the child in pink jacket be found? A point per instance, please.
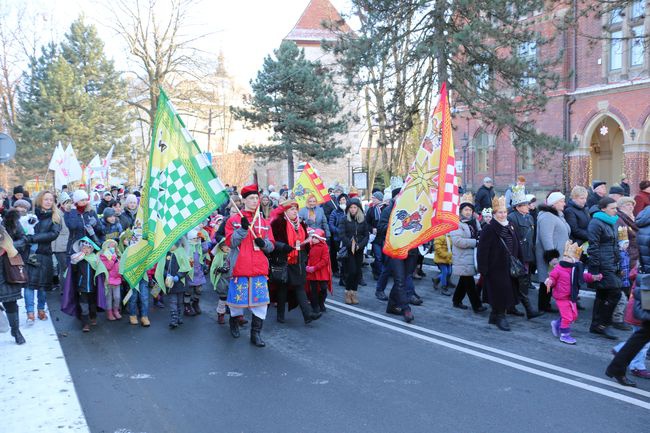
(566, 279)
(108, 256)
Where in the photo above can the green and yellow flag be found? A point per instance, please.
(180, 191)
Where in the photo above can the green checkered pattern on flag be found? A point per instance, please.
(181, 190)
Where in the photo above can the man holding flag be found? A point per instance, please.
(426, 206)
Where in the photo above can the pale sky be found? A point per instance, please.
(245, 30)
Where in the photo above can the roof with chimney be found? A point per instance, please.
(309, 29)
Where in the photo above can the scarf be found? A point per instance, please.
(217, 262)
(611, 220)
(295, 233)
(80, 209)
(97, 265)
(471, 223)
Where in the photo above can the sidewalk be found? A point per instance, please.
(37, 393)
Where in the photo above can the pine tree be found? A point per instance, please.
(294, 98)
(71, 93)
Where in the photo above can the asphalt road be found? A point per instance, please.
(355, 370)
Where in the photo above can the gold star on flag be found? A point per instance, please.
(422, 179)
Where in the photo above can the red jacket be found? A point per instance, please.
(642, 200)
(249, 261)
(319, 258)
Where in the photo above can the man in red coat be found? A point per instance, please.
(249, 237)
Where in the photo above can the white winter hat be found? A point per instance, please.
(79, 195)
(554, 197)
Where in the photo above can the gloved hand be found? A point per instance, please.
(245, 224)
(223, 269)
(92, 221)
(176, 278)
(90, 230)
(310, 269)
(260, 242)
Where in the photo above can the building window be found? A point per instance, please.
(482, 145)
(638, 9)
(525, 159)
(616, 17)
(528, 53)
(637, 48)
(616, 50)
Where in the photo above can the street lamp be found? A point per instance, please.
(465, 141)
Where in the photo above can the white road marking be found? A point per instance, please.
(37, 390)
(561, 379)
(522, 358)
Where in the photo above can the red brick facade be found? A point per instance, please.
(593, 94)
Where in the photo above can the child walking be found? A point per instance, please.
(108, 256)
(171, 273)
(442, 247)
(199, 246)
(220, 273)
(566, 279)
(319, 270)
(85, 265)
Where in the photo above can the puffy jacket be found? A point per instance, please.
(41, 269)
(604, 254)
(525, 228)
(560, 278)
(107, 231)
(113, 267)
(463, 249)
(319, 259)
(350, 229)
(248, 261)
(335, 219)
(484, 197)
(578, 219)
(127, 218)
(442, 250)
(643, 240)
(76, 223)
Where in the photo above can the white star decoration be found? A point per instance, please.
(604, 130)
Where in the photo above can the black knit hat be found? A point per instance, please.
(615, 189)
(596, 183)
(18, 189)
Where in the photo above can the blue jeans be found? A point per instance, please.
(143, 295)
(29, 299)
(445, 273)
(638, 362)
(379, 259)
(403, 288)
(386, 273)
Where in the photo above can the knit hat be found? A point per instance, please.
(18, 189)
(354, 201)
(109, 212)
(22, 203)
(79, 195)
(487, 179)
(554, 197)
(378, 195)
(596, 183)
(63, 197)
(249, 189)
(616, 189)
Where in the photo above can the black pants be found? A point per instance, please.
(543, 298)
(88, 304)
(353, 270)
(604, 305)
(467, 285)
(334, 249)
(10, 306)
(400, 269)
(301, 296)
(318, 295)
(619, 364)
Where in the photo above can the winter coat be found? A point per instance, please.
(350, 229)
(373, 215)
(319, 259)
(172, 267)
(382, 226)
(60, 244)
(334, 221)
(103, 205)
(8, 292)
(247, 261)
(561, 280)
(17, 233)
(463, 246)
(113, 268)
(525, 228)
(108, 231)
(76, 223)
(578, 219)
(83, 277)
(638, 311)
(127, 218)
(330, 206)
(40, 269)
(297, 275)
(442, 247)
(319, 221)
(552, 234)
(484, 197)
(494, 264)
(632, 229)
(198, 276)
(604, 255)
(642, 200)
(643, 240)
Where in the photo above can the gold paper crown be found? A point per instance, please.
(498, 203)
(571, 249)
(622, 234)
(467, 198)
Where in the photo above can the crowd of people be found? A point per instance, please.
(260, 248)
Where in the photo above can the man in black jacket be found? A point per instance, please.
(484, 195)
(598, 191)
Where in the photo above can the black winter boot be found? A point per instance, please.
(502, 323)
(307, 313)
(196, 307)
(14, 323)
(530, 311)
(493, 318)
(234, 326)
(256, 329)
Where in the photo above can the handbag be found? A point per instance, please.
(517, 269)
(15, 271)
(279, 273)
(342, 253)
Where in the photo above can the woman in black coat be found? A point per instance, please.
(604, 258)
(498, 242)
(9, 293)
(354, 233)
(577, 215)
(40, 265)
(291, 252)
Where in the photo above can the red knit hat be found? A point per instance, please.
(249, 189)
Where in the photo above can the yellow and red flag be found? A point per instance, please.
(427, 206)
(310, 183)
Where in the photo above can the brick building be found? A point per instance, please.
(308, 33)
(603, 107)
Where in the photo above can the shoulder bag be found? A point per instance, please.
(15, 271)
(517, 269)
